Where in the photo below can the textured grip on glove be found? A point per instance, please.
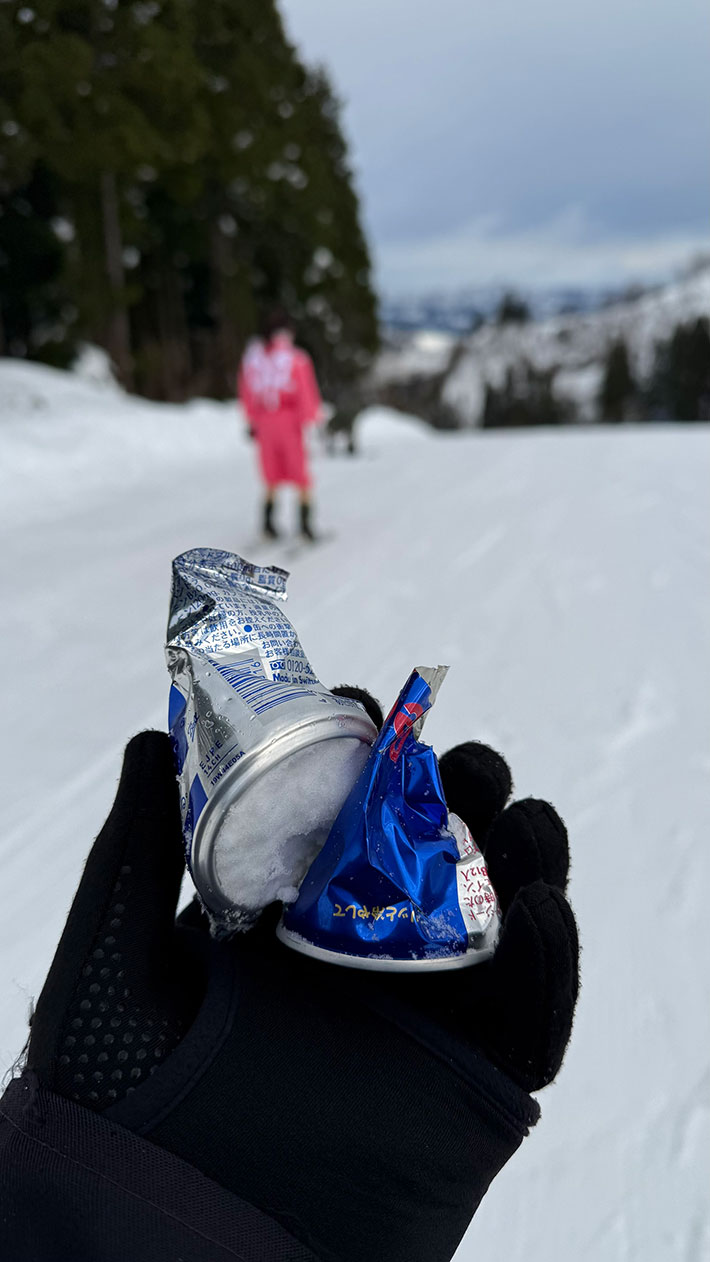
(121, 990)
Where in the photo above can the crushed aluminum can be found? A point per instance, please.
(265, 753)
(400, 883)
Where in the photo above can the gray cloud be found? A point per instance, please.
(474, 123)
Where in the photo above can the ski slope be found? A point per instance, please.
(563, 577)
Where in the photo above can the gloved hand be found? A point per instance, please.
(365, 1112)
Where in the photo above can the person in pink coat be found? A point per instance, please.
(278, 390)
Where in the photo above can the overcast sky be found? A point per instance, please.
(554, 141)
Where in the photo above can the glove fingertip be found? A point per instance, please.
(370, 704)
(527, 843)
(477, 783)
(149, 755)
(534, 986)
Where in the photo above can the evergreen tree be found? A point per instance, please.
(526, 397)
(493, 408)
(199, 175)
(512, 310)
(618, 389)
(92, 94)
(680, 384)
(35, 305)
(689, 371)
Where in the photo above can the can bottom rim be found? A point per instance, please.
(379, 964)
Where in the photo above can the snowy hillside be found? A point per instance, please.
(562, 575)
(574, 346)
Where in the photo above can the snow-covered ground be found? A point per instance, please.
(563, 575)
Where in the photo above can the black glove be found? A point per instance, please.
(365, 1112)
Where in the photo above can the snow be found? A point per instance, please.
(562, 574)
(425, 352)
(272, 834)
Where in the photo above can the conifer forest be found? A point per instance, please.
(169, 170)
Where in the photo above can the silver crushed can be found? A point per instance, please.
(266, 755)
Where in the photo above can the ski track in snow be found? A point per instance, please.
(562, 575)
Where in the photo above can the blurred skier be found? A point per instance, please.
(278, 390)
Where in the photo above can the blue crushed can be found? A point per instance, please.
(400, 883)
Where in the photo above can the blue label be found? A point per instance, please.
(177, 706)
(385, 881)
(262, 694)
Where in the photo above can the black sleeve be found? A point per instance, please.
(75, 1186)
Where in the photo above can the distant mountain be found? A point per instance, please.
(463, 311)
(453, 379)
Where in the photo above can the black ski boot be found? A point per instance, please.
(306, 528)
(269, 528)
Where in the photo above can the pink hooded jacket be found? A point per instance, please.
(279, 393)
